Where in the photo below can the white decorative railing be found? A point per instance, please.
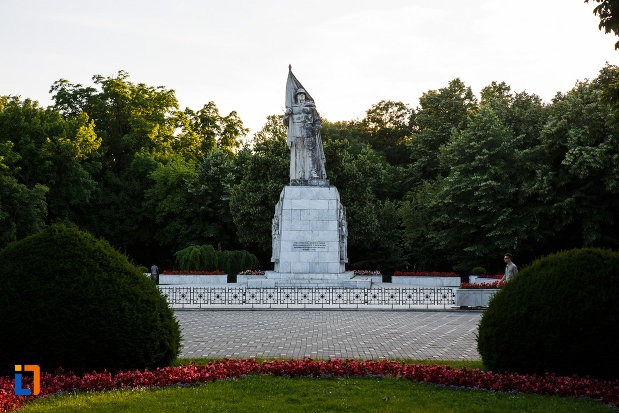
(302, 297)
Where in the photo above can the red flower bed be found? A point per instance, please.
(366, 272)
(483, 286)
(494, 277)
(193, 272)
(427, 274)
(252, 272)
(548, 384)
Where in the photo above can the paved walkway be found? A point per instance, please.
(330, 334)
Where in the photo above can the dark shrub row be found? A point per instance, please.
(206, 258)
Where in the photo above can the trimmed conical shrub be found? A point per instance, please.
(560, 314)
(70, 300)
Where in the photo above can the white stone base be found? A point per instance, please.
(335, 280)
(474, 298)
(309, 231)
(426, 281)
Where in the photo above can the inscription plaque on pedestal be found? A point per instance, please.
(309, 245)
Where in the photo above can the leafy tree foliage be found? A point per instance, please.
(609, 85)
(265, 171)
(581, 174)
(216, 176)
(144, 137)
(520, 177)
(22, 209)
(387, 128)
(478, 198)
(45, 163)
(608, 12)
(452, 184)
(440, 112)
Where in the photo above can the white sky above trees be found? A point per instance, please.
(348, 54)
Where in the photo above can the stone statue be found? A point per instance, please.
(343, 234)
(307, 158)
(276, 232)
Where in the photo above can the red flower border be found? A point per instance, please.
(367, 272)
(193, 272)
(549, 384)
(497, 285)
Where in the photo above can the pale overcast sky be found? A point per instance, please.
(348, 54)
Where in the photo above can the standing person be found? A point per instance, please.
(154, 273)
(510, 269)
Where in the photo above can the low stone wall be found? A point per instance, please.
(426, 281)
(474, 298)
(169, 279)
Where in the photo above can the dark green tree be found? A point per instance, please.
(211, 191)
(45, 149)
(418, 212)
(608, 12)
(387, 127)
(265, 170)
(579, 180)
(22, 209)
(477, 202)
(129, 117)
(175, 209)
(439, 114)
(142, 130)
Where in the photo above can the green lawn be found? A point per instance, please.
(281, 394)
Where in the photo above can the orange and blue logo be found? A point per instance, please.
(36, 382)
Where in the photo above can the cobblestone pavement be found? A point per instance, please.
(330, 334)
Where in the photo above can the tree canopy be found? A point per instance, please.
(608, 12)
(449, 185)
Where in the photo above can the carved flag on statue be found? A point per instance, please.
(307, 158)
(292, 85)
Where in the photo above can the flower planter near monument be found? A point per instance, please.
(426, 281)
(478, 279)
(474, 298)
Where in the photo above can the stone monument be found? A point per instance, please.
(309, 227)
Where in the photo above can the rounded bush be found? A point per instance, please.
(70, 300)
(479, 271)
(557, 315)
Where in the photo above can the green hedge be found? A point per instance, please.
(70, 300)
(206, 258)
(560, 314)
(479, 271)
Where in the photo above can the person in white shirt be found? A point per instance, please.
(510, 269)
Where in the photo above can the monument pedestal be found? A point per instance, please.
(309, 239)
